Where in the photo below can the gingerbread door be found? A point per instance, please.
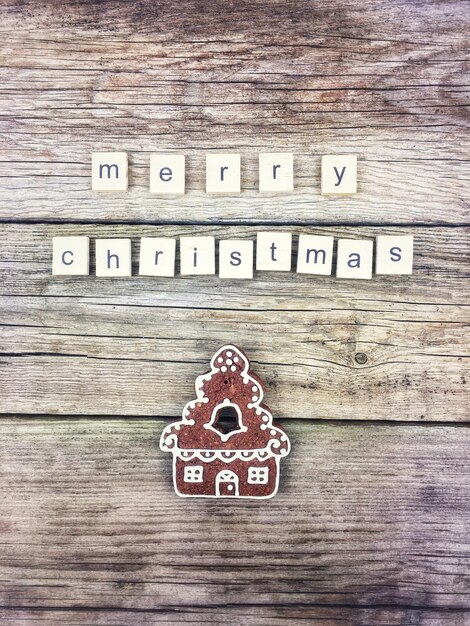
(226, 483)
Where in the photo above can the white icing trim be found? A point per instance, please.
(262, 454)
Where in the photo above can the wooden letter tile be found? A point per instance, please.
(109, 171)
(315, 255)
(157, 256)
(354, 259)
(338, 174)
(197, 255)
(167, 174)
(235, 258)
(274, 251)
(394, 254)
(70, 256)
(113, 257)
(223, 173)
(276, 172)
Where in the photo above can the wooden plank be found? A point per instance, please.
(334, 77)
(370, 521)
(253, 616)
(85, 345)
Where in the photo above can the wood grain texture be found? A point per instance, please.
(370, 526)
(387, 81)
(85, 345)
(254, 616)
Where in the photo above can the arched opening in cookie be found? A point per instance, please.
(227, 420)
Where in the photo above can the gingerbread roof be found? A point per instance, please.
(229, 383)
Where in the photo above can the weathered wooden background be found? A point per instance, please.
(370, 379)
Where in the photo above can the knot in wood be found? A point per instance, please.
(361, 358)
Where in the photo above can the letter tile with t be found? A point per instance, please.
(274, 251)
(113, 257)
(109, 171)
(70, 256)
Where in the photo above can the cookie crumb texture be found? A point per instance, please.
(226, 444)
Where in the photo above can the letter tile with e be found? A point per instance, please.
(167, 174)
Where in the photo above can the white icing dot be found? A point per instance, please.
(233, 368)
(229, 353)
(254, 398)
(223, 368)
(236, 359)
(191, 422)
(273, 432)
(263, 426)
(283, 438)
(254, 388)
(265, 418)
(220, 359)
(229, 361)
(230, 487)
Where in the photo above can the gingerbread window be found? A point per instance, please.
(258, 475)
(193, 474)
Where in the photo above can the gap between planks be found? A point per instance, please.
(290, 421)
(241, 223)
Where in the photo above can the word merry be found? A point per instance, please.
(276, 173)
(157, 256)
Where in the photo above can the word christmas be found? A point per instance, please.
(354, 258)
(226, 444)
(276, 173)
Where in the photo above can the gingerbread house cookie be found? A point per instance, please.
(226, 444)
